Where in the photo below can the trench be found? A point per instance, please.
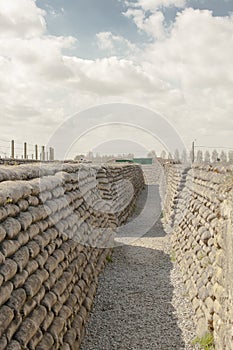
(133, 308)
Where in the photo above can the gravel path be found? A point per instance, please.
(141, 302)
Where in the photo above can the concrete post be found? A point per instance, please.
(36, 152)
(12, 149)
(193, 152)
(43, 153)
(25, 150)
(51, 154)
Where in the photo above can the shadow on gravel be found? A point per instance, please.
(133, 307)
(145, 219)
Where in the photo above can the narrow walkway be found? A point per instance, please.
(141, 302)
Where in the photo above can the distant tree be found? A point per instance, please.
(169, 156)
(176, 155)
(184, 157)
(207, 157)
(90, 155)
(79, 157)
(191, 156)
(151, 154)
(199, 157)
(163, 154)
(230, 156)
(223, 157)
(129, 156)
(214, 156)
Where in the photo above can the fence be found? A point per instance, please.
(11, 150)
(208, 154)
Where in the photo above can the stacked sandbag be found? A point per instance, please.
(54, 227)
(175, 178)
(203, 226)
(120, 186)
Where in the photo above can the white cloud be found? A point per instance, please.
(110, 77)
(21, 18)
(115, 44)
(152, 25)
(200, 66)
(54, 13)
(153, 5)
(187, 74)
(105, 40)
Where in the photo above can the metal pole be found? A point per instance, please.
(12, 149)
(25, 150)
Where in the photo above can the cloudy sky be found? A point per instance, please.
(59, 57)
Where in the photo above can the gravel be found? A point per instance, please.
(141, 301)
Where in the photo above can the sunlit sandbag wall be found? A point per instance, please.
(200, 213)
(56, 224)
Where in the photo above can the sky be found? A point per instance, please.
(61, 57)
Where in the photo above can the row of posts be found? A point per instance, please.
(44, 155)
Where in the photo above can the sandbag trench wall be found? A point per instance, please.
(199, 206)
(50, 218)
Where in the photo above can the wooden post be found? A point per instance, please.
(12, 149)
(25, 150)
(36, 152)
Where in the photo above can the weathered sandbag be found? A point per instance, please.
(6, 316)
(47, 321)
(15, 324)
(14, 345)
(8, 269)
(11, 191)
(32, 285)
(17, 299)
(12, 209)
(19, 279)
(34, 341)
(25, 220)
(11, 226)
(26, 331)
(5, 292)
(46, 342)
(39, 314)
(33, 248)
(2, 233)
(56, 327)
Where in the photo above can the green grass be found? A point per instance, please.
(109, 258)
(206, 342)
(9, 200)
(173, 256)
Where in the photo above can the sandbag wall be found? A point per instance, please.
(55, 225)
(203, 246)
(120, 185)
(175, 176)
